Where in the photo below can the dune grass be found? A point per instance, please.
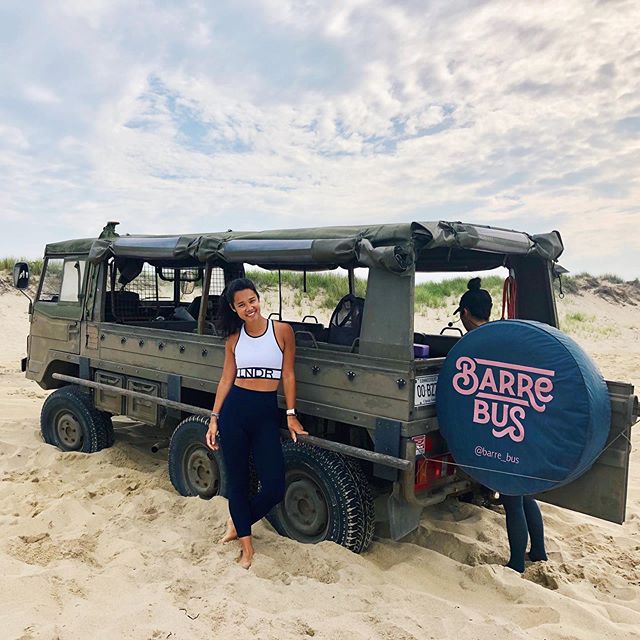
(579, 317)
(576, 283)
(579, 323)
(326, 289)
(35, 266)
(439, 294)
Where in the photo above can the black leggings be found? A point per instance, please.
(249, 424)
(523, 520)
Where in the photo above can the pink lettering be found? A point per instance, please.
(499, 422)
(515, 367)
(507, 380)
(495, 396)
(502, 395)
(525, 388)
(543, 388)
(517, 414)
(525, 385)
(516, 433)
(488, 381)
(480, 411)
(465, 382)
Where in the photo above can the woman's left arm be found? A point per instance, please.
(289, 378)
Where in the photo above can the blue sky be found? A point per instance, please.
(194, 116)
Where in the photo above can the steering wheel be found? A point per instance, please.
(450, 328)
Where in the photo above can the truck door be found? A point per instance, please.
(602, 491)
(57, 312)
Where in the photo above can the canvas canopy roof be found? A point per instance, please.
(395, 247)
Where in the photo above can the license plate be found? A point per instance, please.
(425, 390)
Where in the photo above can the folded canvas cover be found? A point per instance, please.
(395, 247)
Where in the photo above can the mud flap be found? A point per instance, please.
(387, 441)
(403, 517)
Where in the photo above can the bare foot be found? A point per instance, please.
(245, 558)
(230, 534)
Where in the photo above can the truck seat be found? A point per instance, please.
(194, 306)
(346, 320)
(122, 306)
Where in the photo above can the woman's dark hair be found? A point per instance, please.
(227, 320)
(476, 300)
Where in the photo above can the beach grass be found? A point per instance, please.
(327, 288)
(579, 317)
(440, 294)
(579, 323)
(35, 266)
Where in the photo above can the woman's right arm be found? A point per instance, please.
(225, 384)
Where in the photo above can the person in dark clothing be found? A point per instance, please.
(524, 521)
(523, 516)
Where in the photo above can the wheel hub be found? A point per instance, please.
(69, 431)
(306, 507)
(202, 471)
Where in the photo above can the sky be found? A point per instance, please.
(188, 116)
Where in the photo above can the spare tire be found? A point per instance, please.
(522, 407)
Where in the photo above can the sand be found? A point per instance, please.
(101, 546)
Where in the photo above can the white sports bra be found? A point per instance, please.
(259, 357)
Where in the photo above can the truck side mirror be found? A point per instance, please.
(20, 275)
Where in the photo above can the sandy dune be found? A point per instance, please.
(101, 546)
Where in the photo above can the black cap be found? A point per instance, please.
(477, 300)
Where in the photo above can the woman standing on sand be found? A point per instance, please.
(258, 354)
(522, 512)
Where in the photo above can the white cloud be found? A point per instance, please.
(13, 137)
(262, 114)
(43, 95)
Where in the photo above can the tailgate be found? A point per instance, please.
(602, 491)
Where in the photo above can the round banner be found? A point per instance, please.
(522, 407)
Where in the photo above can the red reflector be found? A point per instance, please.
(430, 470)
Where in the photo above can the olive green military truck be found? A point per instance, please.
(123, 325)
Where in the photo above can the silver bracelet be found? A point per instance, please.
(215, 415)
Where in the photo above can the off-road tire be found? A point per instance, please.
(362, 485)
(194, 469)
(69, 421)
(338, 485)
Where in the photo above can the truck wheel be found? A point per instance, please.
(327, 497)
(194, 469)
(70, 422)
